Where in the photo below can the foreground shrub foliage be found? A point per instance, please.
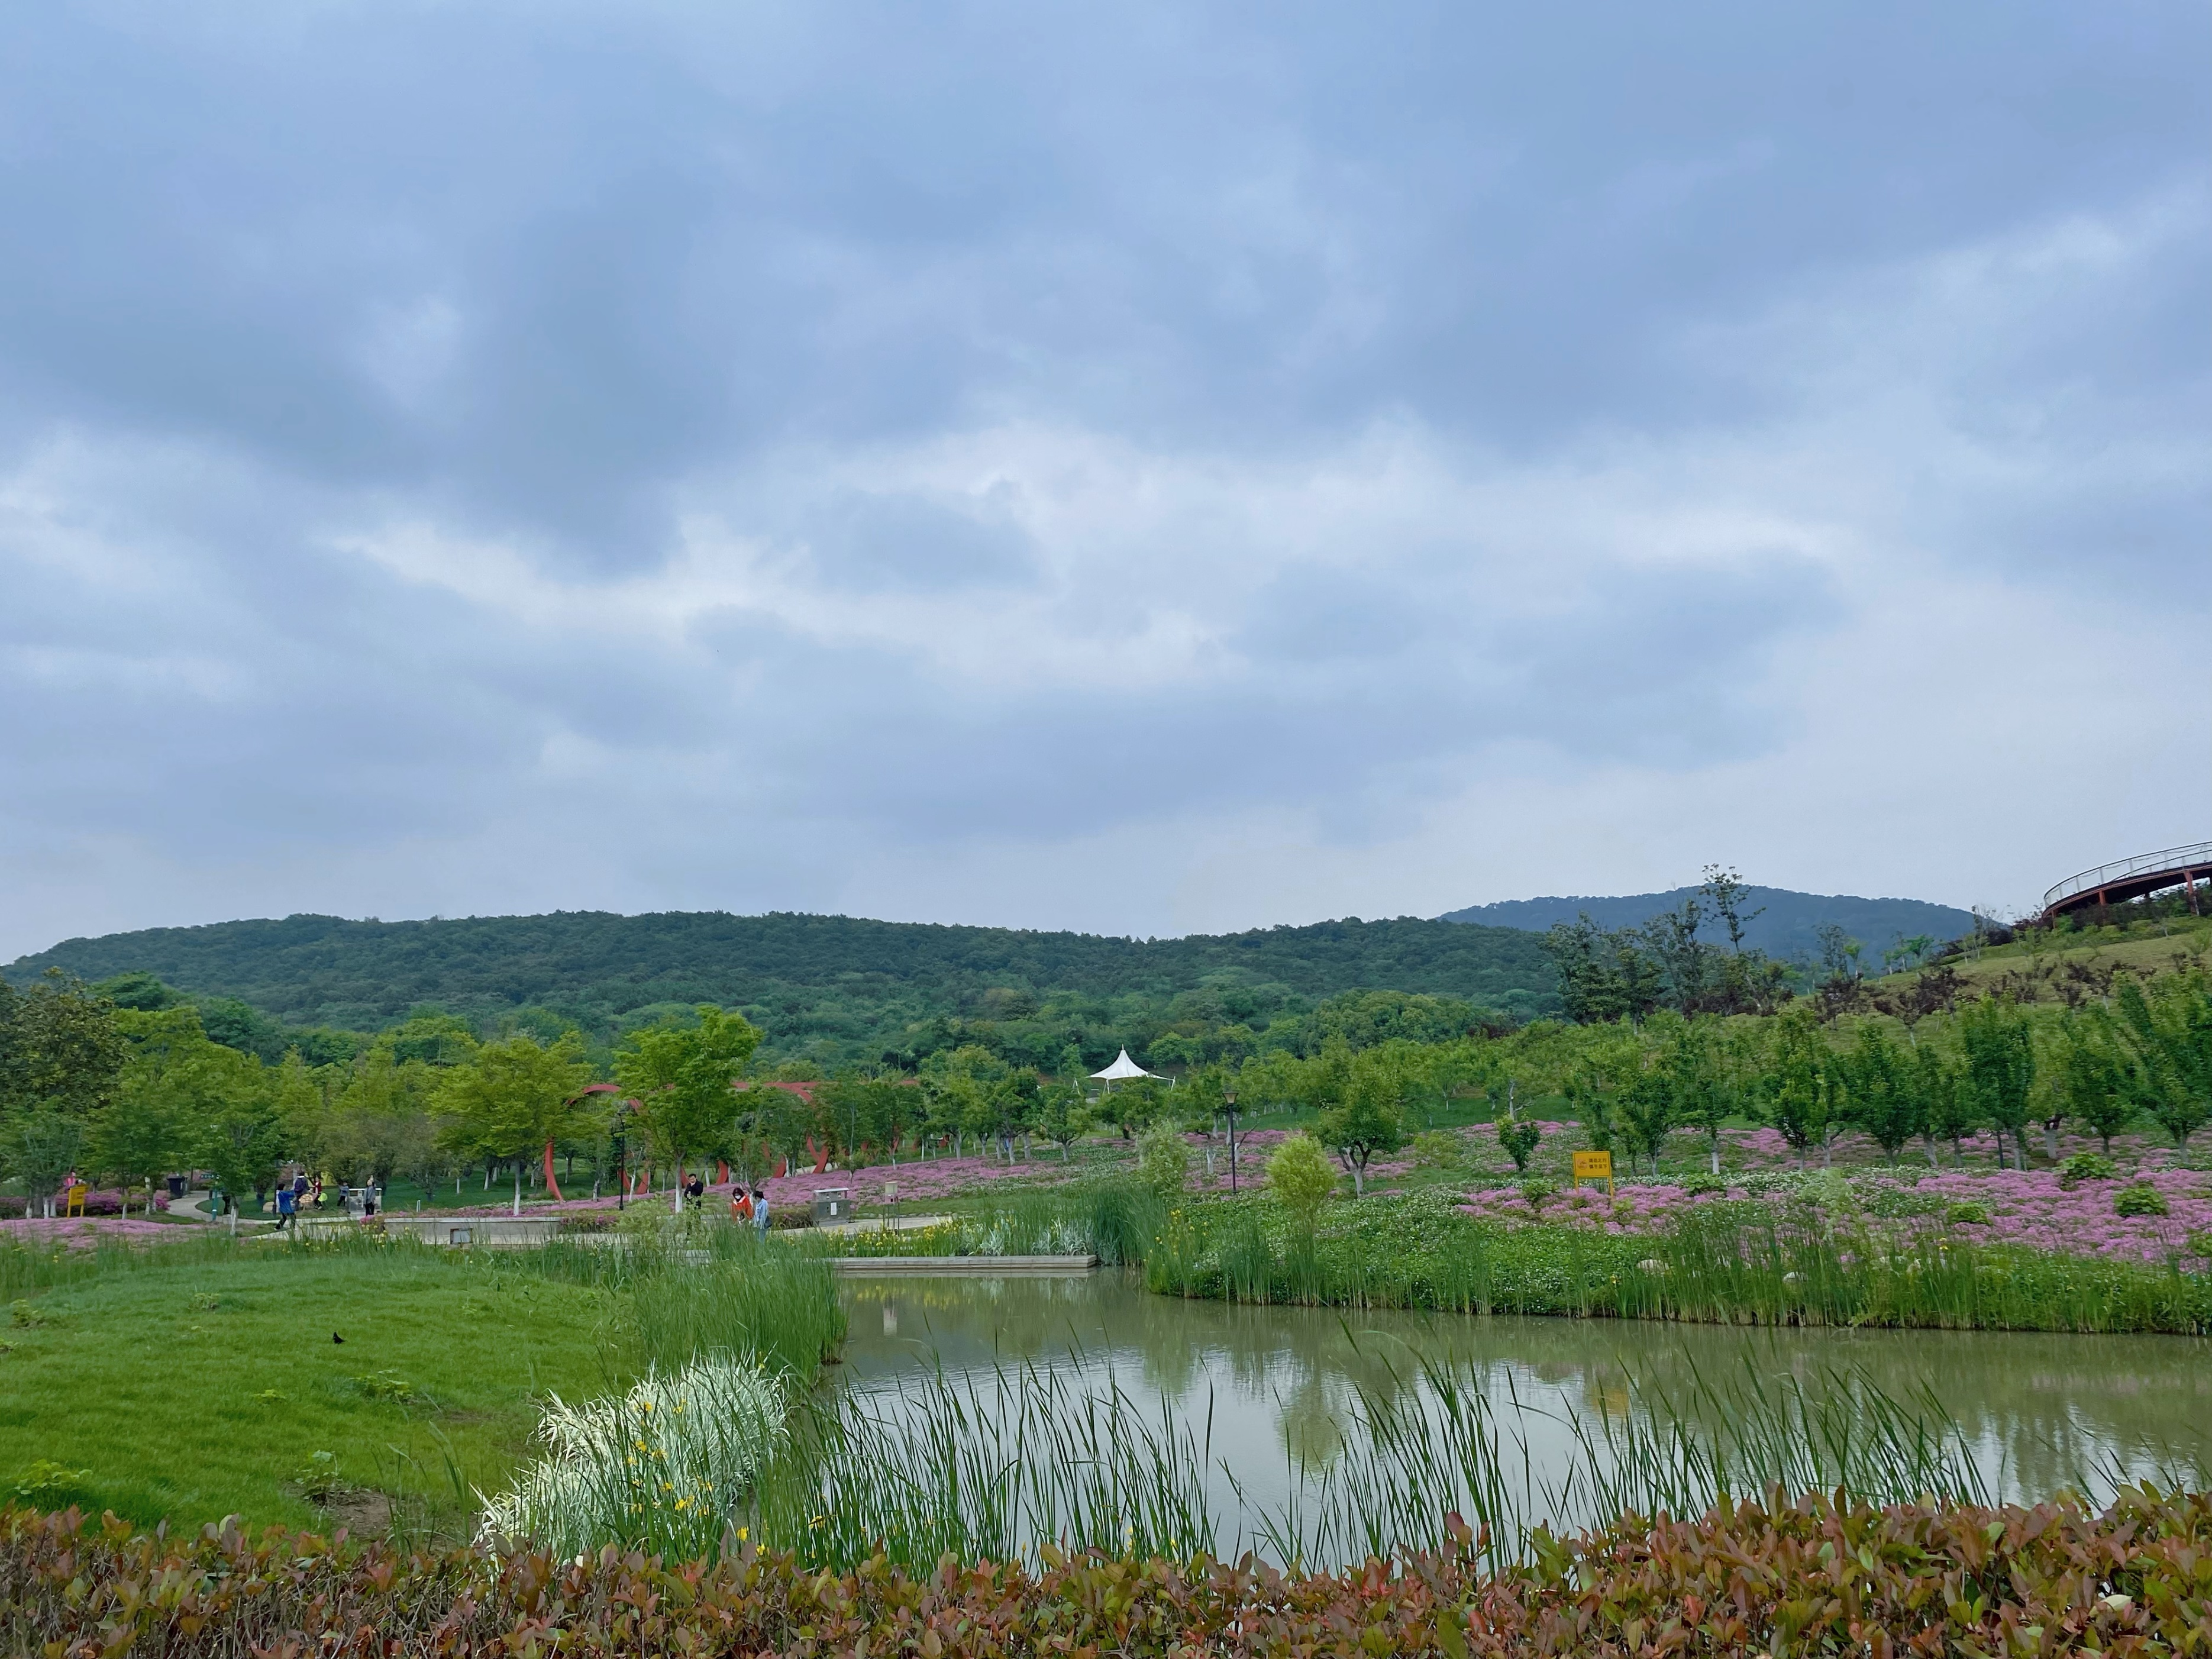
(1804, 1577)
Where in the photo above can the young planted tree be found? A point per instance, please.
(1883, 1092)
(2000, 1068)
(2170, 1029)
(1299, 1176)
(1369, 1118)
(1163, 1160)
(1062, 1116)
(2093, 1086)
(1518, 1136)
(1646, 1113)
(242, 1139)
(153, 1122)
(1797, 1094)
(1694, 1063)
(682, 1077)
(1946, 1110)
(518, 1096)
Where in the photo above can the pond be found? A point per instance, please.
(1273, 1398)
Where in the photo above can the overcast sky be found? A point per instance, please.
(1143, 469)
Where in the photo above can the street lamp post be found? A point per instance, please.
(621, 1167)
(1229, 1111)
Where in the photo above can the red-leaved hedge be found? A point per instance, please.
(1808, 1577)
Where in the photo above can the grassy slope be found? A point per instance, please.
(155, 1381)
(2143, 948)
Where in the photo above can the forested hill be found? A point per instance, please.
(1789, 929)
(839, 984)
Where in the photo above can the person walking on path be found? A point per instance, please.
(760, 1211)
(741, 1207)
(287, 1205)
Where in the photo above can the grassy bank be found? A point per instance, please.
(1729, 1263)
(190, 1380)
(1763, 1262)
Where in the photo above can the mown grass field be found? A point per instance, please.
(206, 1386)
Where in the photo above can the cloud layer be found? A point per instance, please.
(1142, 469)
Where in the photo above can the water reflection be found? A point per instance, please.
(1264, 1386)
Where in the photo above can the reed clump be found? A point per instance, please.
(1729, 1263)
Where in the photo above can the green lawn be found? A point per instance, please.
(206, 1388)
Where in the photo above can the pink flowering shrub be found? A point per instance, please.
(81, 1233)
(2025, 1207)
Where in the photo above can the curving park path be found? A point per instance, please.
(2130, 878)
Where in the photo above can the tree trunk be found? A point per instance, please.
(518, 1185)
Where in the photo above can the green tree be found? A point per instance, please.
(1517, 1135)
(1299, 1176)
(1948, 1111)
(1797, 1094)
(2170, 1029)
(162, 1098)
(380, 1120)
(242, 1140)
(2094, 1085)
(1883, 1092)
(61, 1055)
(1062, 1116)
(1369, 1118)
(1702, 1095)
(2000, 1068)
(1604, 974)
(1163, 1160)
(1645, 1108)
(515, 1096)
(682, 1078)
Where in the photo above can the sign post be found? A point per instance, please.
(1594, 1166)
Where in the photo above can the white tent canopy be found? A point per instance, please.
(1122, 1068)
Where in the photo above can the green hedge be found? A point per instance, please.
(1805, 1578)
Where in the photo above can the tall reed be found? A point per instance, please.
(989, 1468)
(1000, 1463)
(1725, 1263)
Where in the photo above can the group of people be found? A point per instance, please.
(750, 1207)
(298, 1190)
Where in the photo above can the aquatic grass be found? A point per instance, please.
(1719, 1262)
(667, 1465)
(777, 1305)
(988, 1467)
(1000, 1463)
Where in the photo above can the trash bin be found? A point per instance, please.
(832, 1205)
(176, 1185)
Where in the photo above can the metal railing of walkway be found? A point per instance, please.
(2146, 872)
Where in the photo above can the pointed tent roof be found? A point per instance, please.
(1123, 1067)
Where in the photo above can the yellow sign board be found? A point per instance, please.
(1594, 1166)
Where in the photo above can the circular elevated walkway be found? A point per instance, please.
(2130, 878)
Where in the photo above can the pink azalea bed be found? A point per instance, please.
(2029, 1207)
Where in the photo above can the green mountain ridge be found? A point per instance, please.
(1789, 929)
(830, 988)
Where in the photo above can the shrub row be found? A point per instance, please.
(1804, 1577)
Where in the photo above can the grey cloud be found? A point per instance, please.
(561, 281)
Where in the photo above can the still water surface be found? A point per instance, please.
(1265, 1389)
